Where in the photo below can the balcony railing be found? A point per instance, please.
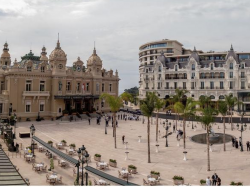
(36, 93)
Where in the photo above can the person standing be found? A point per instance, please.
(218, 181)
(236, 144)
(174, 128)
(233, 141)
(123, 139)
(208, 181)
(248, 146)
(89, 121)
(214, 178)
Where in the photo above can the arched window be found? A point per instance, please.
(159, 68)
(193, 67)
(212, 67)
(212, 97)
(231, 66)
(221, 97)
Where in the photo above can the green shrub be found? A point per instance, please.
(111, 160)
(202, 181)
(50, 142)
(236, 183)
(155, 173)
(176, 177)
(132, 167)
(72, 145)
(90, 183)
(51, 163)
(63, 141)
(98, 155)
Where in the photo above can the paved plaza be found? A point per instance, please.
(231, 165)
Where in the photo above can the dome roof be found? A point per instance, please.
(94, 59)
(5, 53)
(57, 53)
(78, 61)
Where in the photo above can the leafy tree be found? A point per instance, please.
(115, 103)
(159, 104)
(147, 107)
(207, 119)
(231, 101)
(204, 101)
(223, 111)
(127, 97)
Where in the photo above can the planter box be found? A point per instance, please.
(98, 159)
(51, 144)
(64, 144)
(133, 171)
(178, 182)
(155, 176)
(203, 184)
(113, 164)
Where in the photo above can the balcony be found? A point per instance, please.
(147, 88)
(243, 87)
(5, 92)
(36, 93)
(158, 88)
(68, 92)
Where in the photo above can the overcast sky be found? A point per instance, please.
(119, 27)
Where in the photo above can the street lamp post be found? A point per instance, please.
(83, 158)
(167, 135)
(242, 129)
(32, 132)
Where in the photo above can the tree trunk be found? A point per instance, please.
(208, 153)
(176, 121)
(157, 126)
(224, 136)
(114, 126)
(231, 119)
(149, 161)
(184, 133)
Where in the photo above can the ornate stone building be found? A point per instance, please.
(38, 84)
(166, 65)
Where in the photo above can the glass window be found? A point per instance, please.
(242, 66)
(231, 84)
(212, 75)
(29, 68)
(102, 87)
(41, 107)
(42, 69)
(231, 75)
(202, 85)
(231, 66)
(245, 56)
(68, 87)
(42, 85)
(110, 87)
(184, 85)
(212, 67)
(167, 85)
(242, 84)
(211, 85)
(221, 75)
(1, 108)
(192, 85)
(176, 68)
(221, 85)
(97, 87)
(242, 74)
(175, 85)
(27, 108)
(159, 68)
(28, 85)
(78, 86)
(193, 76)
(87, 87)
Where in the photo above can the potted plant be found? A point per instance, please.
(73, 111)
(97, 157)
(155, 174)
(50, 143)
(203, 182)
(64, 143)
(112, 163)
(65, 112)
(178, 180)
(72, 146)
(236, 183)
(51, 164)
(132, 168)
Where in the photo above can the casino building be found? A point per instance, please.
(46, 85)
(166, 65)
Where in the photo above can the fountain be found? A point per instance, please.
(214, 138)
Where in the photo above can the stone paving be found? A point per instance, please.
(231, 165)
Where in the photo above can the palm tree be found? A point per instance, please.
(222, 109)
(147, 107)
(159, 104)
(127, 97)
(186, 111)
(204, 101)
(231, 101)
(115, 103)
(207, 119)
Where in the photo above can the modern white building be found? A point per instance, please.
(165, 65)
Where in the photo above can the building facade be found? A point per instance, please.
(46, 85)
(165, 66)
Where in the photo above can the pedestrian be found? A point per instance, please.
(170, 112)
(107, 123)
(97, 120)
(174, 128)
(218, 181)
(116, 123)
(208, 181)
(214, 179)
(143, 120)
(233, 141)
(123, 139)
(248, 146)
(159, 134)
(236, 144)
(89, 121)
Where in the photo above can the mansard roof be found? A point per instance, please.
(232, 54)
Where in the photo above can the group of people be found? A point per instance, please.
(128, 117)
(236, 143)
(216, 181)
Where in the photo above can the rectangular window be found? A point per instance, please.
(211, 85)
(28, 85)
(175, 85)
(146, 86)
(242, 74)
(242, 84)
(231, 66)
(1, 108)
(87, 87)
(231, 75)
(97, 87)
(110, 87)
(78, 86)
(42, 106)
(42, 85)
(28, 106)
(167, 85)
(159, 77)
(231, 84)
(202, 85)
(29, 68)
(159, 85)
(68, 86)
(221, 85)
(243, 57)
(193, 76)
(2, 85)
(42, 69)
(102, 87)
(192, 85)
(184, 85)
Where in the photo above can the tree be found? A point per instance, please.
(147, 107)
(127, 97)
(134, 92)
(222, 109)
(186, 111)
(207, 119)
(231, 101)
(204, 101)
(115, 103)
(159, 104)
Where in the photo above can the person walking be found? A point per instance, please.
(248, 146)
(208, 181)
(89, 120)
(218, 181)
(236, 144)
(174, 128)
(214, 179)
(123, 139)
(233, 141)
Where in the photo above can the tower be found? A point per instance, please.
(5, 57)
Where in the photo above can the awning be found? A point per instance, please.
(76, 97)
(56, 151)
(9, 176)
(109, 177)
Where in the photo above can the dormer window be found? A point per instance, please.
(42, 69)
(29, 68)
(231, 66)
(159, 68)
